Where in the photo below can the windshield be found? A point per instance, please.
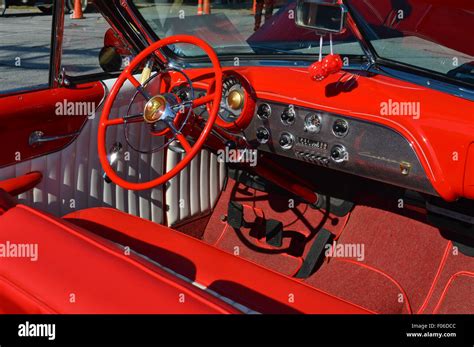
(239, 27)
(430, 34)
(411, 32)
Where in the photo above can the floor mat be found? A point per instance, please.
(458, 295)
(300, 222)
(361, 285)
(405, 250)
(452, 291)
(406, 266)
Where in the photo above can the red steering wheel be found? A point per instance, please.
(161, 108)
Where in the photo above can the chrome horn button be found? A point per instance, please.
(155, 108)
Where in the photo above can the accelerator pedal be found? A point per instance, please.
(316, 254)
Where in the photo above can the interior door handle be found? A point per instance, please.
(38, 137)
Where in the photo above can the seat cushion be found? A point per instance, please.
(51, 266)
(237, 279)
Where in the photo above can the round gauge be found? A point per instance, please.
(312, 122)
(340, 128)
(233, 98)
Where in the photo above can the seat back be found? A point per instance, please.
(72, 177)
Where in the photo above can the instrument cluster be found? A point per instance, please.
(233, 99)
(337, 142)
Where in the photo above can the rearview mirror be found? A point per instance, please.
(320, 16)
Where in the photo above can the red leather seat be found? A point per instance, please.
(238, 279)
(74, 271)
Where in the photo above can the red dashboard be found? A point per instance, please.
(430, 151)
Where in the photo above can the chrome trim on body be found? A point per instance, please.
(447, 88)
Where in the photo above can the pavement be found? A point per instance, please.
(25, 39)
(25, 46)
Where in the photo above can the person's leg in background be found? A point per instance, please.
(258, 14)
(268, 8)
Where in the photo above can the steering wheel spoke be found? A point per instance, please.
(115, 121)
(133, 118)
(161, 108)
(138, 86)
(184, 142)
(179, 136)
(203, 100)
(181, 106)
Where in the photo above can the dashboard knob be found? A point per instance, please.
(340, 128)
(264, 111)
(339, 154)
(262, 135)
(286, 140)
(288, 116)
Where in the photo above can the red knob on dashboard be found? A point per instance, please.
(318, 71)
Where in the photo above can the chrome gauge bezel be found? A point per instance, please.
(339, 135)
(263, 141)
(226, 113)
(308, 128)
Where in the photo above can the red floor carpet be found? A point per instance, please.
(407, 266)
